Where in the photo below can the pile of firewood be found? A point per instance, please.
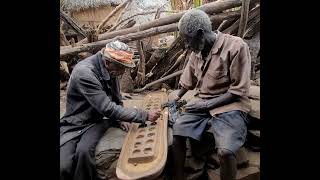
(161, 66)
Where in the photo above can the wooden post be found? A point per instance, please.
(140, 79)
(244, 17)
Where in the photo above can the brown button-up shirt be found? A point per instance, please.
(226, 69)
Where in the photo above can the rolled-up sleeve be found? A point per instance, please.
(91, 89)
(187, 79)
(240, 68)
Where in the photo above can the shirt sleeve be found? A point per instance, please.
(187, 79)
(240, 68)
(92, 90)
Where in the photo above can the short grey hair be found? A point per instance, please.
(193, 20)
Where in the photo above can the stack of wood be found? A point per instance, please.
(160, 67)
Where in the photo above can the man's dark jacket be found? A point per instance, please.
(93, 96)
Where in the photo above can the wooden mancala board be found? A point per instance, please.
(144, 151)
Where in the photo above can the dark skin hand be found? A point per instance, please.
(115, 70)
(206, 105)
(203, 42)
(152, 116)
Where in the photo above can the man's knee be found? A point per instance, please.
(84, 152)
(225, 153)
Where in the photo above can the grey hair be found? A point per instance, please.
(193, 20)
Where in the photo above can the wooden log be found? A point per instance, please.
(159, 81)
(176, 64)
(168, 58)
(63, 85)
(244, 17)
(140, 79)
(154, 59)
(253, 27)
(73, 24)
(138, 14)
(227, 23)
(63, 39)
(106, 19)
(128, 25)
(253, 13)
(210, 8)
(64, 71)
(72, 42)
(92, 35)
(140, 35)
(124, 38)
(119, 17)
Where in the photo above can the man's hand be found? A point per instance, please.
(125, 126)
(153, 115)
(197, 106)
(176, 98)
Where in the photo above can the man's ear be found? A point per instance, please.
(200, 33)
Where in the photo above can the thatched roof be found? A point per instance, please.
(138, 6)
(135, 7)
(76, 5)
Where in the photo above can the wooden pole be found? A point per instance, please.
(159, 81)
(244, 17)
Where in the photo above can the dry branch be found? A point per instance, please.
(72, 24)
(105, 20)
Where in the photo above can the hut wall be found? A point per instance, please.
(94, 16)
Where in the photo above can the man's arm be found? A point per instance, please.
(204, 105)
(182, 92)
(92, 90)
(240, 77)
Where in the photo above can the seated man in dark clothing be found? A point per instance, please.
(93, 102)
(219, 70)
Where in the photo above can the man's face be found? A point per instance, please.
(116, 69)
(196, 44)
